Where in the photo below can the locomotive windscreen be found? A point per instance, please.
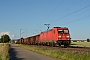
(63, 31)
(66, 31)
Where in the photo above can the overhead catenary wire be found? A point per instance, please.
(76, 20)
(55, 9)
(52, 12)
(71, 13)
(68, 8)
(58, 6)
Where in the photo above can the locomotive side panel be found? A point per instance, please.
(55, 34)
(41, 36)
(49, 35)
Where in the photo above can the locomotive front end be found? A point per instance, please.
(63, 36)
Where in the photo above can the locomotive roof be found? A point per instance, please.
(60, 27)
(52, 28)
(47, 30)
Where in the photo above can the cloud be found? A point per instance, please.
(8, 33)
(12, 36)
(3, 33)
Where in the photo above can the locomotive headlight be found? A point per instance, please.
(67, 36)
(59, 36)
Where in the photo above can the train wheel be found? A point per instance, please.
(38, 44)
(59, 45)
(54, 45)
(43, 44)
(51, 44)
(65, 46)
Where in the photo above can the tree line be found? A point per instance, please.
(4, 38)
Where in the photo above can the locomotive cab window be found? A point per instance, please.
(66, 31)
(60, 31)
(63, 31)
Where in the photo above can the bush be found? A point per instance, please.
(88, 40)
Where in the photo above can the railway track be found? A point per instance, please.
(73, 49)
(76, 50)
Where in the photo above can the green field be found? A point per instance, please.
(80, 44)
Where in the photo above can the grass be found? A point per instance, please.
(81, 44)
(55, 53)
(4, 52)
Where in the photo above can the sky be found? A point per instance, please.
(29, 16)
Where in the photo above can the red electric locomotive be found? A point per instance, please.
(55, 36)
